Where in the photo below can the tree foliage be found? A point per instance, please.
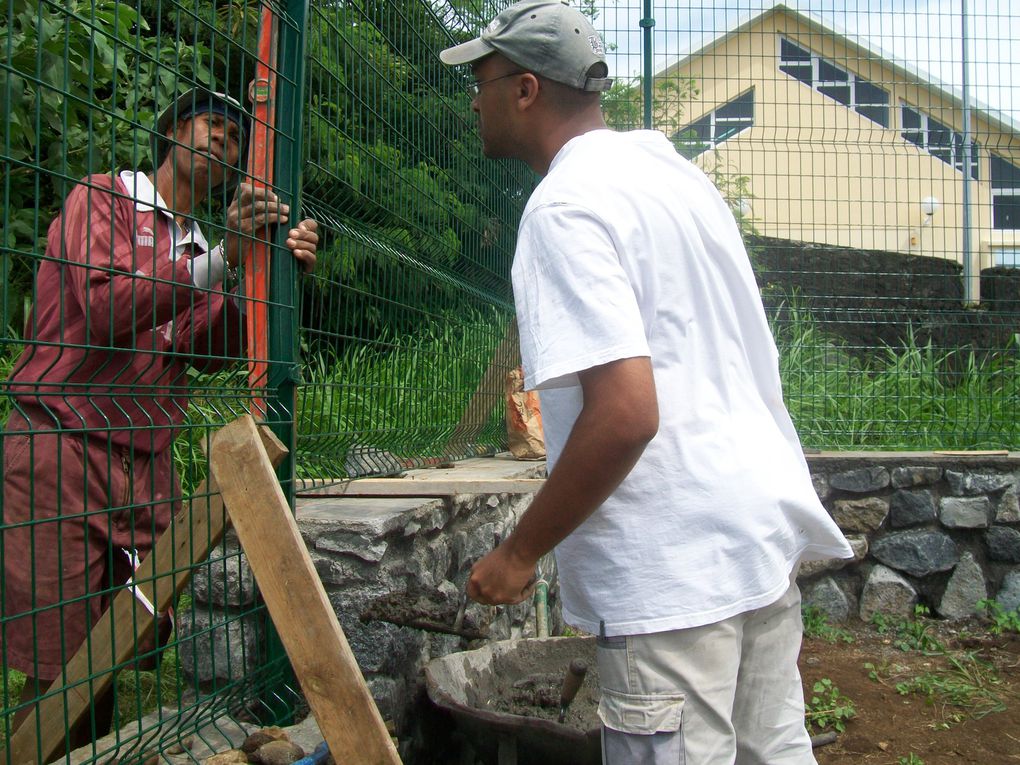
(79, 92)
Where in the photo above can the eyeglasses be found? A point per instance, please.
(475, 87)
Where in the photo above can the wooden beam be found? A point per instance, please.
(410, 487)
(308, 628)
(159, 579)
(488, 394)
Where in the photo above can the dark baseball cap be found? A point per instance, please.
(549, 38)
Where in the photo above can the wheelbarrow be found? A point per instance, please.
(504, 699)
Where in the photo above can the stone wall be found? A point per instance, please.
(872, 298)
(365, 549)
(937, 530)
(943, 531)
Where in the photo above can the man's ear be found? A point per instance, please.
(527, 90)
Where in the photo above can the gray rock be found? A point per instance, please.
(429, 563)
(965, 483)
(827, 597)
(1008, 509)
(918, 553)
(966, 587)
(911, 508)
(861, 480)
(886, 592)
(379, 647)
(471, 544)
(390, 696)
(225, 579)
(859, 544)
(1009, 594)
(861, 515)
(343, 570)
(965, 512)
(821, 486)
(370, 550)
(1003, 544)
(811, 568)
(905, 477)
(217, 646)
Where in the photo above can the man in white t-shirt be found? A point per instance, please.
(678, 501)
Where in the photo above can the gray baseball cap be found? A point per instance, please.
(548, 38)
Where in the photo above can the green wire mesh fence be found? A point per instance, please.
(840, 133)
(869, 151)
(407, 319)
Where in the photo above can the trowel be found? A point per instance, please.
(571, 683)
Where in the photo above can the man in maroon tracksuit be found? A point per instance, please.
(129, 298)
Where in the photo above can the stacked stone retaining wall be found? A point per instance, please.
(937, 530)
(941, 531)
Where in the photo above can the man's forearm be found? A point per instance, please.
(591, 467)
(618, 419)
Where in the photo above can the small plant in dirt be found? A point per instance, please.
(816, 625)
(909, 634)
(1000, 620)
(827, 708)
(966, 687)
(910, 759)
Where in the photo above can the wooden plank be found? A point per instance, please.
(160, 578)
(973, 453)
(308, 628)
(426, 487)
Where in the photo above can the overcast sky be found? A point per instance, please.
(924, 34)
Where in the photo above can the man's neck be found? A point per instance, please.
(560, 134)
(176, 189)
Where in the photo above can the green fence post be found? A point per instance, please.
(284, 372)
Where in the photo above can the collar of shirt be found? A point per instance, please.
(146, 198)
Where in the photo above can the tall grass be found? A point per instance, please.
(911, 397)
(402, 395)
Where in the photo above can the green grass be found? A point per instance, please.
(401, 395)
(911, 397)
(1000, 620)
(961, 685)
(910, 634)
(816, 625)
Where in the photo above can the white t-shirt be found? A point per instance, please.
(626, 249)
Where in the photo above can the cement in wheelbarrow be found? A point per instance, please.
(505, 696)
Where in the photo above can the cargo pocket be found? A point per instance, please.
(642, 728)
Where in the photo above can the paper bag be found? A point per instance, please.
(523, 419)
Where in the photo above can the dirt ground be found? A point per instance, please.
(894, 729)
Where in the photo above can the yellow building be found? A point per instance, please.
(844, 145)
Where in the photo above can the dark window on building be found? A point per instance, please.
(872, 102)
(937, 139)
(864, 97)
(715, 127)
(1005, 194)
(795, 61)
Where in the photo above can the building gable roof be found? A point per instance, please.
(863, 49)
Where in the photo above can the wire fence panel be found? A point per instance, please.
(407, 317)
(125, 341)
(870, 152)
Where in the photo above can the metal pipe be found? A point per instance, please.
(969, 291)
(647, 23)
(542, 608)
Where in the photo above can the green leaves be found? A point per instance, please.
(827, 707)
